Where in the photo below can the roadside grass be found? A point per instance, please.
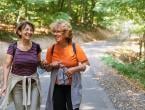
(135, 70)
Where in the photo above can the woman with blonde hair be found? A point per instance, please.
(65, 59)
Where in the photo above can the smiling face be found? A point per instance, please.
(59, 35)
(26, 32)
(62, 31)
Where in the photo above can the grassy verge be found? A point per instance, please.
(135, 71)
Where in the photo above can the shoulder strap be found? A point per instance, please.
(52, 49)
(74, 47)
(74, 50)
(37, 48)
(14, 48)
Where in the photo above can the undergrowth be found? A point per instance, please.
(135, 70)
(7, 36)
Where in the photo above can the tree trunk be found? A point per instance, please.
(69, 7)
(85, 12)
(61, 5)
(144, 44)
(92, 12)
(81, 11)
(140, 48)
(26, 11)
(18, 18)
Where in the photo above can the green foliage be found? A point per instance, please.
(7, 36)
(134, 70)
(42, 12)
(61, 15)
(121, 9)
(87, 12)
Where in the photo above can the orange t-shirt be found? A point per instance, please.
(66, 55)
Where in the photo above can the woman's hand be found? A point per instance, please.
(43, 64)
(3, 90)
(56, 64)
(70, 71)
(53, 65)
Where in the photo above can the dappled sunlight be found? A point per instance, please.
(42, 30)
(131, 46)
(11, 28)
(87, 106)
(93, 89)
(7, 27)
(44, 76)
(99, 75)
(132, 93)
(87, 75)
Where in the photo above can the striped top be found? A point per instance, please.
(24, 62)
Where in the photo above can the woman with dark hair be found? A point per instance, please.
(65, 60)
(20, 82)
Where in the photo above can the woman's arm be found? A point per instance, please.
(53, 65)
(7, 67)
(40, 63)
(79, 68)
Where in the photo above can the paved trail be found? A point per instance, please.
(94, 96)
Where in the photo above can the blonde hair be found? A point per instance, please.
(64, 26)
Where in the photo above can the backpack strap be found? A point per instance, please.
(37, 48)
(52, 49)
(74, 50)
(14, 48)
(74, 47)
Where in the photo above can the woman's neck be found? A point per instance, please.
(25, 42)
(63, 44)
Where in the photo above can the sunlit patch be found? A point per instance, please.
(42, 106)
(87, 107)
(44, 76)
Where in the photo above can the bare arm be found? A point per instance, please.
(39, 56)
(49, 67)
(6, 68)
(79, 68)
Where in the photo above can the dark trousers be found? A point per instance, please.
(62, 97)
